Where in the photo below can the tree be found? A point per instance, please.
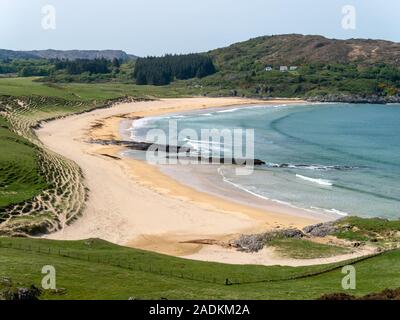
(163, 70)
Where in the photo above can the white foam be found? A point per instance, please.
(340, 213)
(236, 185)
(177, 117)
(228, 110)
(137, 124)
(206, 148)
(313, 210)
(203, 141)
(334, 211)
(141, 122)
(321, 182)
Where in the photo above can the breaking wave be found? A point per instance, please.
(321, 182)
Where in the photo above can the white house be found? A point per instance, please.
(268, 69)
(283, 69)
(293, 68)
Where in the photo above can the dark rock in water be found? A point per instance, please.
(256, 242)
(174, 152)
(258, 162)
(222, 160)
(321, 229)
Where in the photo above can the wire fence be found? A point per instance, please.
(122, 261)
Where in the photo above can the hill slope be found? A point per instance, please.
(354, 70)
(300, 49)
(10, 54)
(68, 54)
(95, 269)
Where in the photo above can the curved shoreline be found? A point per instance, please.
(131, 203)
(189, 175)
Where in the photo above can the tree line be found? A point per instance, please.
(80, 66)
(164, 70)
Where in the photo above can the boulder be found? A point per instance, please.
(320, 229)
(256, 242)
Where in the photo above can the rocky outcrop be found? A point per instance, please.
(256, 242)
(387, 294)
(350, 98)
(321, 229)
(20, 294)
(66, 54)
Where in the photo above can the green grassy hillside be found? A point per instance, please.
(296, 49)
(95, 269)
(324, 67)
(21, 87)
(20, 177)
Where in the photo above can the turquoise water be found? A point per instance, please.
(338, 158)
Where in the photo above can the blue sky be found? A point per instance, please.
(155, 27)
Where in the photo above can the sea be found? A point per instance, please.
(341, 159)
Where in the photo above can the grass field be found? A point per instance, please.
(57, 193)
(89, 92)
(376, 230)
(305, 249)
(20, 177)
(95, 269)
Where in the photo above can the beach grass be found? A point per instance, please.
(376, 225)
(95, 269)
(374, 229)
(38, 188)
(305, 249)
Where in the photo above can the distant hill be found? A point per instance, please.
(298, 49)
(68, 54)
(9, 54)
(354, 70)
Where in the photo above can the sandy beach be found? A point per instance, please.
(133, 203)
